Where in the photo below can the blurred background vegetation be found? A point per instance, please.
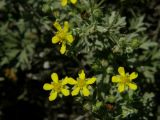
(126, 31)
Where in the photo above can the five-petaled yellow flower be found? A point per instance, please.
(125, 80)
(82, 84)
(64, 2)
(56, 87)
(62, 36)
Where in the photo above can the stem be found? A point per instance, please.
(91, 6)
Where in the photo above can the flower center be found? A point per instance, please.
(62, 35)
(57, 86)
(81, 83)
(125, 79)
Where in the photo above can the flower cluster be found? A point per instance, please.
(60, 86)
(81, 85)
(63, 36)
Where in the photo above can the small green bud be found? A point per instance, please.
(129, 50)
(122, 41)
(116, 49)
(135, 43)
(45, 8)
(109, 69)
(98, 104)
(97, 12)
(104, 62)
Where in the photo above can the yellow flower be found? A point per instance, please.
(64, 2)
(56, 87)
(82, 84)
(62, 36)
(125, 80)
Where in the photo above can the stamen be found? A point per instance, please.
(81, 83)
(57, 87)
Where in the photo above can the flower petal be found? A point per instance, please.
(73, 1)
(54, 77)
(132, 86)
(63, 2)
(121, 71)
(91, 80)
(75, 91)
(47, 86)
(121, 87)
(116, 78)
(55, 39)
(63, 48)
(82, 75)
(65, 81)
(133, 75)
(85, 91)
(69, 38)
(71, 81)
(65, 92)
(57, 26)
(53, 96)
(66, 26)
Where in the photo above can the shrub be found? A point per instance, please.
(99, 42)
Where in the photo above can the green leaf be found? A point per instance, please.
(148, 44)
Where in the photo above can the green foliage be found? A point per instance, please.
(107, 34)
